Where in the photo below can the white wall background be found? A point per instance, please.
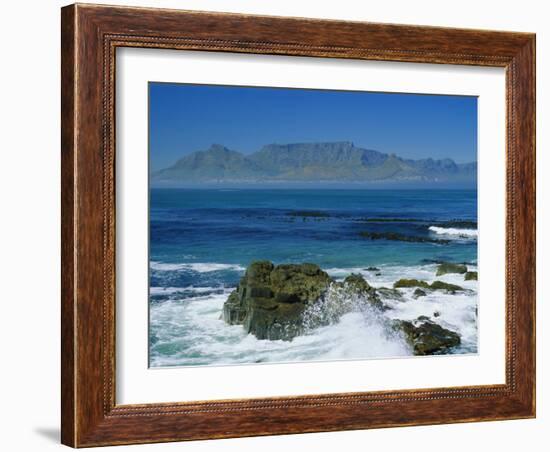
(29, 226)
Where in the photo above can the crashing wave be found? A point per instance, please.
(175, 290)
(199, 267)
(461, 233)
(337, 301)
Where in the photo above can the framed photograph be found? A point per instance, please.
(281, 225)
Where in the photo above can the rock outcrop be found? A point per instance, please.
(427, 337)
(440, 285)
(283, 301)
(389, 294)
(373, 269)
(356, 290)
(470, 276)
(436, 285)
(355, 284)
(270, 300)
(403, 283)
(446, 267)
(280, 302)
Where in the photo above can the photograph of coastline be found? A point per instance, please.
(291, 225)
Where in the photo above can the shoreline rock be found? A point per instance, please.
(436, 285)
(372, 269)
(447, 267)
(440, 285)
(356, 286)
(403, 283)
(427, 337)
(389, 293)
(283, 301)
(270, 300)
(470, 276)
(280, 302)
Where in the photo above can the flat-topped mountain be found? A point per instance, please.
(310, 162)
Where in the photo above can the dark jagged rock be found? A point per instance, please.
(372, 269)
(356, 285)
(427, 337)
(447, 267)
(281, 302)
(440, 285)
(437, 314)
(302, 283)
(436, 285)
(387, 293)
(410, 283)
(419, 293)
(470, 276)
(233, 313)
(395, 236)
(270, 300)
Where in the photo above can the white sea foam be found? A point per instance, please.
(190, 289)
(189, 331)
(192, 333)
(461, 233)
(387, 274)
(199, 267)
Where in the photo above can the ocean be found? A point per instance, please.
(202, 240)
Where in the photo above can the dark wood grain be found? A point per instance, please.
(90, 36)
(68, 147)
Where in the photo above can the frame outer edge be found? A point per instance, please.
(86, 419)
(68, 230)
(534, 226)
(525, 62)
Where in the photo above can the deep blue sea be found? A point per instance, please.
(201, 241)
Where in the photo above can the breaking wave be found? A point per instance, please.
(461, 233)
(199, 267)
(189, 331)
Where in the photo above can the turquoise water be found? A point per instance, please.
(201, 241)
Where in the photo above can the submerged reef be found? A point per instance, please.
(395, 236)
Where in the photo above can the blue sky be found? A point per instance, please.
(186, 118)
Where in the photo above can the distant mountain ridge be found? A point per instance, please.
(310, 162)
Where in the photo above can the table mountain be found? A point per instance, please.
(310, 162)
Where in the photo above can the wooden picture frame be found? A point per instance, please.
(90, 36)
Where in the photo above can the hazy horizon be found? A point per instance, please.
(184, 118)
